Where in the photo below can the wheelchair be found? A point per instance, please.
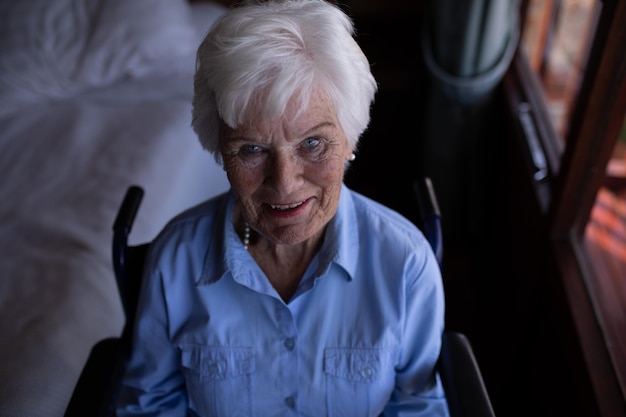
(100, 380)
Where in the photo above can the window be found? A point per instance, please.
(571, 73)
(557, 37)
(605, 232)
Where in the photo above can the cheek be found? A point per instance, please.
(243, 180)
(331, 179)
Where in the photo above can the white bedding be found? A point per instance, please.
(74, 134)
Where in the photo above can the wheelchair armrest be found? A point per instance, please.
(99, 381)
(462, 381)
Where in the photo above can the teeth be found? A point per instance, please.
(285, 206)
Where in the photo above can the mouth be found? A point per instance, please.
(287, 210)
(286, 207)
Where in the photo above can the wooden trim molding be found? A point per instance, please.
(606, 395)
(596, 122)
(593, 310)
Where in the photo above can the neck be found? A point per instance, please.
(284, 265)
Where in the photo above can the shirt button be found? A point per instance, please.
(290, 343)
(366, 372)
(290, 401)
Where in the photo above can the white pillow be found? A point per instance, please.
(136, 38)
(40, 42)
(56, 48)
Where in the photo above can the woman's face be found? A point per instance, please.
(287, 173)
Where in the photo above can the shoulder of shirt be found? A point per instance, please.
(393, 238)
(188, 222)
(372, 212)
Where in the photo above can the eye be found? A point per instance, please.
(251, 154)
(250, 150)
(311, 143)
(314, 148)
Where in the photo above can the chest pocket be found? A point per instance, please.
(219, 379)
(359, 381)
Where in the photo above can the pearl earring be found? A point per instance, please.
(352, 157)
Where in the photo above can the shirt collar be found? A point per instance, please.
(222, 250)
(341, 241)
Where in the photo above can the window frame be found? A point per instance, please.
(577, 168)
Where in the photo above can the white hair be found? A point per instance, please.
(258, 57)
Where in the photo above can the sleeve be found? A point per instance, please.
(418, 390)
(153, 385)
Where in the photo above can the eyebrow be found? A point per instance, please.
(318, 126)
(239, 138)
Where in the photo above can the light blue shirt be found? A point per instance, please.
(360, 337)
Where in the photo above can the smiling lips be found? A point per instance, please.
(287, 210)
(285, 207)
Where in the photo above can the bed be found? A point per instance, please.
(94, 96)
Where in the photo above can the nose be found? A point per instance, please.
(285, 173)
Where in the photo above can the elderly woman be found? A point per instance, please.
(290, 294)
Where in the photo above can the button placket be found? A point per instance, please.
(288, 357)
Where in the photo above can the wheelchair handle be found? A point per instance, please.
(127, 212)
